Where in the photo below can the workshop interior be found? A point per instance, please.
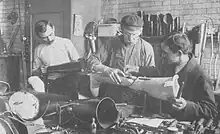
(109, 66)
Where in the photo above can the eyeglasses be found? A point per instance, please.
(135, 34)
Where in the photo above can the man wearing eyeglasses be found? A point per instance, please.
(52, 50)
(127, 49)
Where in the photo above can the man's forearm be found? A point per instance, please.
(99, 68)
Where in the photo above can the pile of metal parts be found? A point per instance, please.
(20, 110)
(23, 108)
(159, 24)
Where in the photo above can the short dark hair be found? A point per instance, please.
(132, 20)
(178, 41)
(91, 28)
(41, 26)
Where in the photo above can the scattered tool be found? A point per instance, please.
(173, 123)
(199, 125)
(209, 123)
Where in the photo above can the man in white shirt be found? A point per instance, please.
(52, 51)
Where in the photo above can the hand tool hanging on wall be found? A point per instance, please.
(140, 14)
(217, 55)
(158, 25)
(165, 25)
(161, 16)
(176, 24)
(13, 15)
(169, 21)
(153, 20)
(196, 36)
(13, 38)
(202, 41)
(212, 54)
(145, 27)
(27, 40)
(184, 27)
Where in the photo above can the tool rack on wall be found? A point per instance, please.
(158, 25)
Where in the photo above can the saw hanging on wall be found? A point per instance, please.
(13, 15)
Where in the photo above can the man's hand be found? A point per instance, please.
(178, 104)
(131, 69)
(114, 74)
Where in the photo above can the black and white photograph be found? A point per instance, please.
(109, 66)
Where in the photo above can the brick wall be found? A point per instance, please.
(193, 12)
(7, 29)
(190, 11)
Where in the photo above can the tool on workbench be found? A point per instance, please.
(199, 125)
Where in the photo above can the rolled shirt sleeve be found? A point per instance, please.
(96, 62)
